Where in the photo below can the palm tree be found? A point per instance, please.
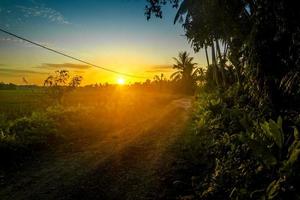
(213, 24)
(158, 78)
(186, 72)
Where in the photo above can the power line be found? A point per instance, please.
(66, 55)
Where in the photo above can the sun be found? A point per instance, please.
(120, 81)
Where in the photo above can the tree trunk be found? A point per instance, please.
(214, 63)
(221, 62)
(206, 54)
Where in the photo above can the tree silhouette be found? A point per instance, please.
(59, 83)
(257, 41)
(186, 72)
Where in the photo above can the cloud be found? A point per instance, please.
(44, 12)
(10, 39)
(64, 65)
(27, 44)
(160, 68)
(7, 71)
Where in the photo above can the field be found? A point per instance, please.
(17, 103)
(103, 144)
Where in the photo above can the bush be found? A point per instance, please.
(37, 130)
(26, 135)
(253, 155)
(41, 130)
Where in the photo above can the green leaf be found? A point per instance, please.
(296, 133)
(273, 189)
(274, 131)
(294, 153)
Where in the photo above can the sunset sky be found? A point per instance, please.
(112, 34)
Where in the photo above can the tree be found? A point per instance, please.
(258, 39)
(60, 83)
(158, 78)
(186, 72)
(210, 24)
(75, 81)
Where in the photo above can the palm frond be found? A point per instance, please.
(183, 8)
(176, 74)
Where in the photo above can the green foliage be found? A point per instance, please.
(261, 58)
(261, 151)
(253, 158)
(293, 152)
(35, 130)
(27, 133)
(40, 130)
(274, 131)
(7, 141)
(252, 43)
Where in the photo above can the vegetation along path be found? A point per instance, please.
(123, 164)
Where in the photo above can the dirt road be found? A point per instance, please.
(125, 164)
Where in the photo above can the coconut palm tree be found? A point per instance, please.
(212, 24)
(186, 72)
(158, 78)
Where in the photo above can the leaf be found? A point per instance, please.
(274, 131)
(262, 152)
(273, 189)
(181, 11)
(279, 122)
(296, 133)
(294, 155)
(294, 149)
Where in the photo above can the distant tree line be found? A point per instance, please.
(7, 86)
(12, 86)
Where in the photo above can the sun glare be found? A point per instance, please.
(120, 81)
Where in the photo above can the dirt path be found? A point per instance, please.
(125, 164)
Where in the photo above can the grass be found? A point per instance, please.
(126, 143)
(16, 103)
(114, 141)
(30, 120)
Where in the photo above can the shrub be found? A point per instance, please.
(26, 135)
(253, 155)
(36, 130)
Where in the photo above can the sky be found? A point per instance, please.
(109, 33)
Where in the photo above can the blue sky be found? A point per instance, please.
(113, 34)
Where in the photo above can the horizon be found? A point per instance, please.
(115, 83)
(128, 43)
